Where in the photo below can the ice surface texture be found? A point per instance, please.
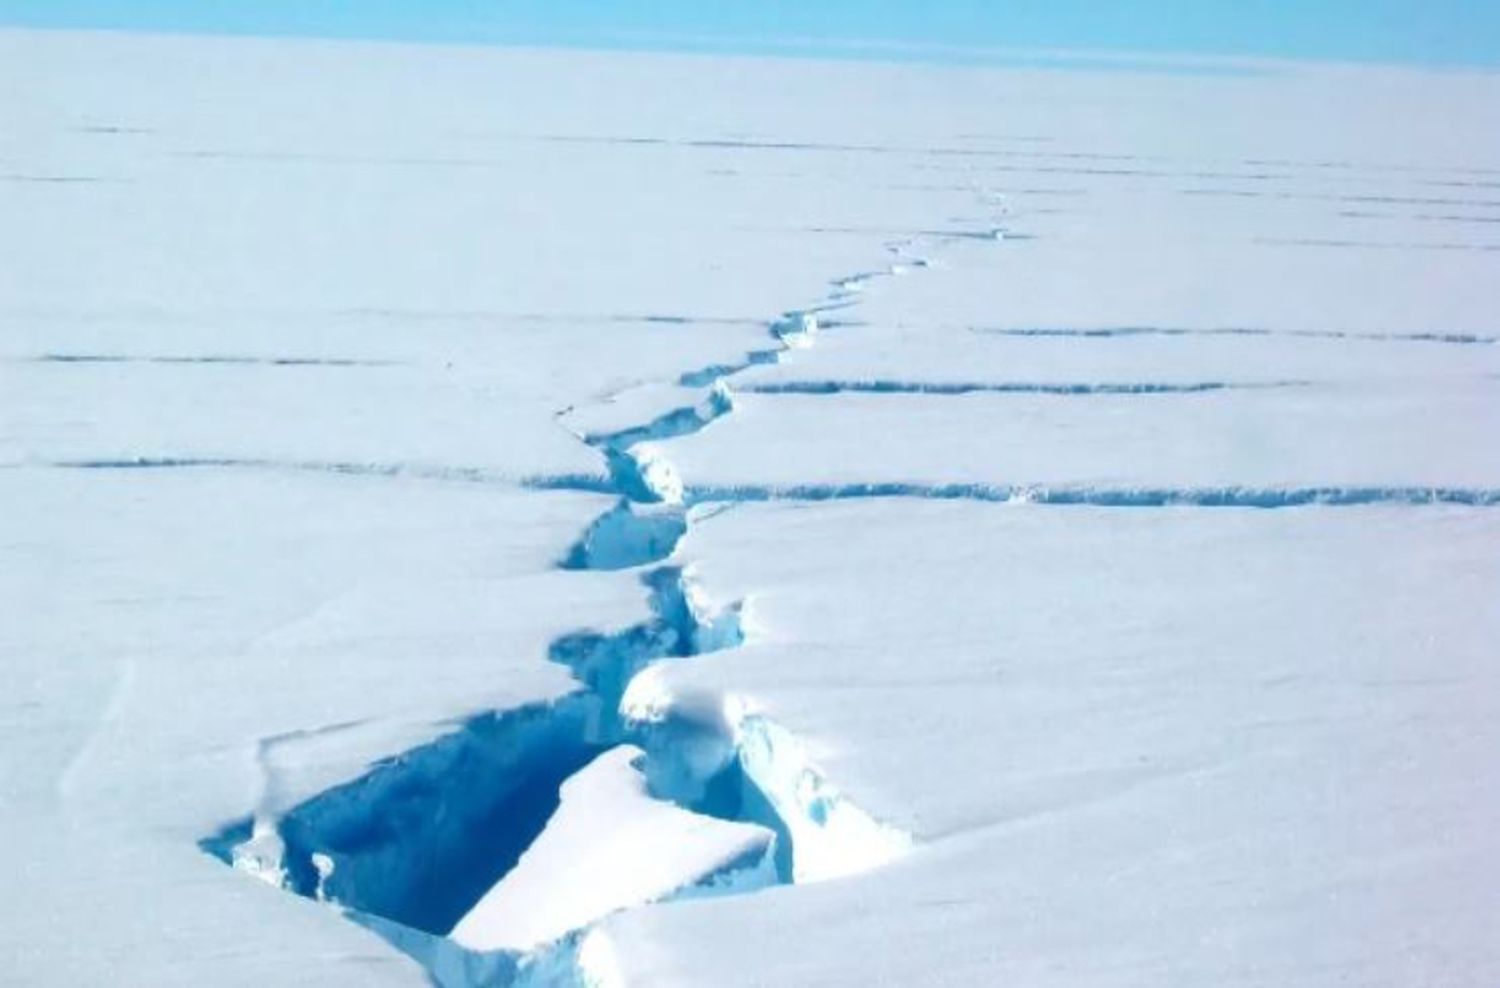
(1048, 540)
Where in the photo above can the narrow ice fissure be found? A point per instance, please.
(214, 360)
(686, 496)
(456, 473)
(1101, 332)
(887, 386)
(1110, 497)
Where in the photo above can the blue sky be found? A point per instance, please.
(1440, 32)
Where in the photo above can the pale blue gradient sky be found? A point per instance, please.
(1429, 32)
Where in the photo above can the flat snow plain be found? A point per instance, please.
(670, 521)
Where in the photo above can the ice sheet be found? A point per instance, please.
(338, 383)
(1373, 436)
(1156, 746)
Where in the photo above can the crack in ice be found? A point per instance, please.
(421, 847)
(886, 386)
(430, 848)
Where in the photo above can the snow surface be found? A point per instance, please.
(377, 427)
(1353, 436)
(1156, 746)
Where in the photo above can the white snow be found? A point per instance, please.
(1431, 435)
(376, 423)
(988, 355)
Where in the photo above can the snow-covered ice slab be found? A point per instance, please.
(419, 395)
(898, 357)
(1138, 257)
(609, 846)
(1167, 747)
(394, 419)
(1296, 438)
